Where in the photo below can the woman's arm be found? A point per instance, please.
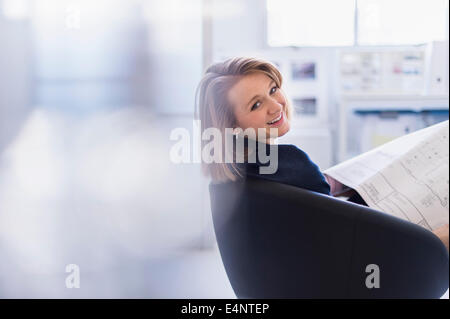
(442, 234)
(337, 188)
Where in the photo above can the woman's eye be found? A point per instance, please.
(256, 105)
(273, 90)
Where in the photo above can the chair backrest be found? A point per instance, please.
(280, 241)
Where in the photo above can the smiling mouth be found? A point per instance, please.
(276, 120)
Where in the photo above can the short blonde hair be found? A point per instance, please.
(214, 110)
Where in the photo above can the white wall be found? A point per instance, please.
(175, 54)
(238, 25)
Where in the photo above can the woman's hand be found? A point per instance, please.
(442, 233)
(337, 188)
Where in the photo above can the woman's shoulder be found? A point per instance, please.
(294, 167)
(291, 149)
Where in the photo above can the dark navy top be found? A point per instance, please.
(294, 168)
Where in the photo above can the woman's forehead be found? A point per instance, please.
(249, 85)
(254, 79)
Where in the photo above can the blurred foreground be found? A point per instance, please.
(98, 190)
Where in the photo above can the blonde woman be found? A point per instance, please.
(246, 93)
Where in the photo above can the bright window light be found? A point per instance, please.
(310, 23)
(378, 22)
(397, 22)
(15, 9)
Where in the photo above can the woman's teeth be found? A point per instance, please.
(276, 120)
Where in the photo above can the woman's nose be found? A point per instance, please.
(274, 107)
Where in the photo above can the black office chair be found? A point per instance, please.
(280, 241)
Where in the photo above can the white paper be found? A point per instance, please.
(407, 177)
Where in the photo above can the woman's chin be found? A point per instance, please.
(283, 130)
(280, 132)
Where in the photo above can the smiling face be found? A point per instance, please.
(258, 103)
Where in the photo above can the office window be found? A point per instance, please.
(310, 23)
(387, 22)
(356, 22)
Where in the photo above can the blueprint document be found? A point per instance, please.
(407, 177)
